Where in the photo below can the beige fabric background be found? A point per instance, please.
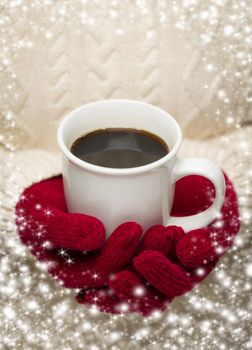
(189, 67)
(55, 64)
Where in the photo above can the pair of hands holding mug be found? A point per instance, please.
(141, 266)
(132, 270)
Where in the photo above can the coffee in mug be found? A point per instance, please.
(119, 147)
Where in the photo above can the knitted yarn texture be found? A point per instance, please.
(133, 271)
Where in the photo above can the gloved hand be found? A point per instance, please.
(73, 245)
(168, 262)
(124, 274)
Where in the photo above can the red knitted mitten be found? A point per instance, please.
(124, 274)
(169, 262)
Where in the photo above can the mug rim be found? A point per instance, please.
(117, 171)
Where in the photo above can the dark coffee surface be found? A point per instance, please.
(119, 148)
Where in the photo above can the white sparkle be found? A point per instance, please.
(228, 30)
(249, 270)
(9, 312)
(200, 272)
(139, 291)
(95, 276)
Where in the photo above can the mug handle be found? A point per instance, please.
(204, 167)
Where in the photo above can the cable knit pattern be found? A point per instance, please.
(91, 53)
(148, 69)
(57, 72)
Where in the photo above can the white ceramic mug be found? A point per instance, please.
(143, 194)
